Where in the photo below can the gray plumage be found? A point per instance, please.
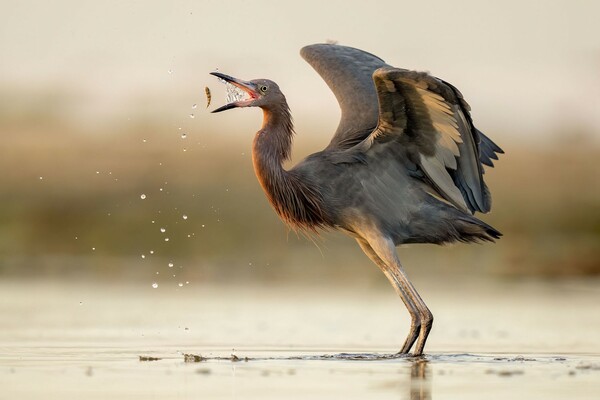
(404, 165)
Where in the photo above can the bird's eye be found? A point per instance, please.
(263, 89)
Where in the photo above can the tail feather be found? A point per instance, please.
(474, 230)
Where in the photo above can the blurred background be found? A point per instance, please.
(113, 168)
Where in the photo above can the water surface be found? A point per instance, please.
(491, 340)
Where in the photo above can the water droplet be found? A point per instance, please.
(194, 106)
(81, 303)
(144, 140)
(192, 116)
(41, 178)
(184, 216)
(184, 135)
(187, 282)
(97, 172)
(151, 251)
(170, 71)
(171, 265)
(180, 284)
(152, 221)
(143, 196)
(166, 239)
(184, 149)
(161, 189)
(163, 230)
(203, 225)
(155, 285)
(93, 248)
(143, 256)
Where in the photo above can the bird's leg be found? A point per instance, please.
(426, 324)
(422, 322)
(415, 325)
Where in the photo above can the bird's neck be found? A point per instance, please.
(273, 142)
(293, 198)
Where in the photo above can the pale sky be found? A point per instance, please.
(526, 67)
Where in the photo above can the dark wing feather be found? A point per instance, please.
(349, 74)
(488, 150)
(432, 121)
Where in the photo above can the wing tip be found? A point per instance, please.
(312, 50)
(306, 50)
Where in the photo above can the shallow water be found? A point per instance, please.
(490, 340)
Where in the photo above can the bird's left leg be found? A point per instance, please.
(407, 299)
(385, 249)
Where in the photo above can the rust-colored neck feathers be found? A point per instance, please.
(294, 199)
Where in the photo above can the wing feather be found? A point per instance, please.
(432, 120)
(348, 73)
(443, 183)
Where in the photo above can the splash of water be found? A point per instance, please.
(234, 93)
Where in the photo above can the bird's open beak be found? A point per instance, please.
(248, 87)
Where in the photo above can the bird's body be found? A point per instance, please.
(398, 203)
(404, 165)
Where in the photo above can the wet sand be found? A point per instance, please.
(490, 340)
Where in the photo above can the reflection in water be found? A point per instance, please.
(420, 374)
(420, 380)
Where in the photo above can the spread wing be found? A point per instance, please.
(349, 74)
(431, 120)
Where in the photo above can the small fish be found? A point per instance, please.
(208, 96)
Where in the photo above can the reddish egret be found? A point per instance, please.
(404, 165)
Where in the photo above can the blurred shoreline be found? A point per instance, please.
(72, 203)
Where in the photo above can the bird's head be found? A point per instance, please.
(260, 93)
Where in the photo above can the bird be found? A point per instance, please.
(405, 165)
